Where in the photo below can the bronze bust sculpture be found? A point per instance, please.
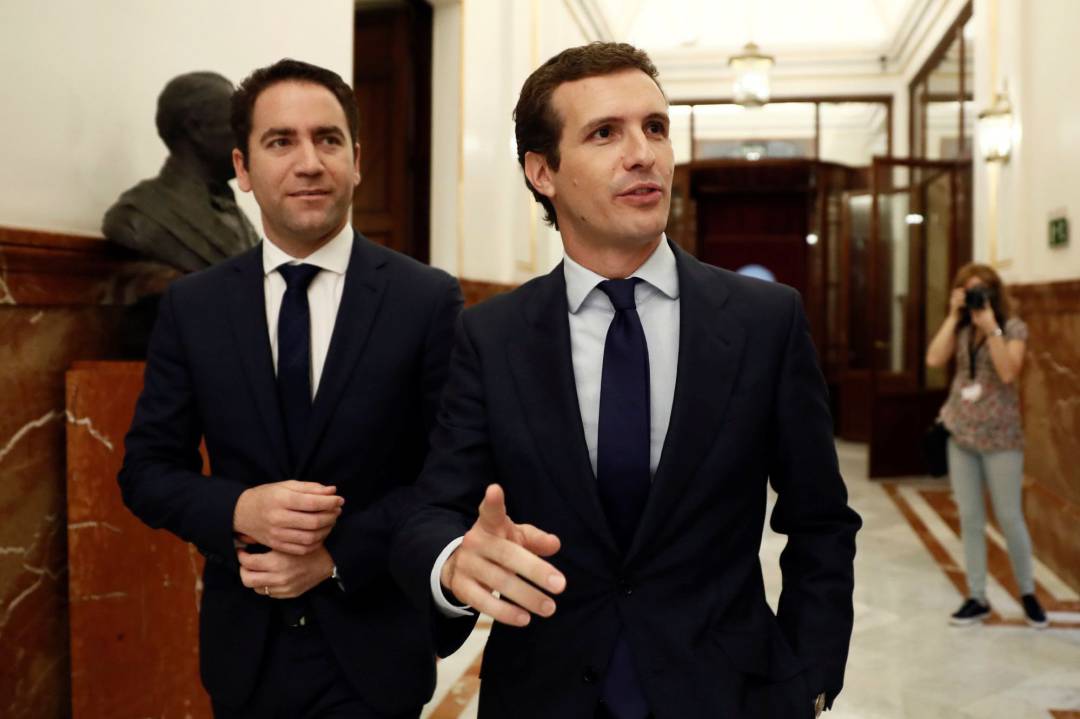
(187, 216)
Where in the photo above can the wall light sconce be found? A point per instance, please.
(995, 129)
(751, 76)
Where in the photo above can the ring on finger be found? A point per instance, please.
(266, 591)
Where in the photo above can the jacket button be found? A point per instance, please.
(625, 587)
(588, 676)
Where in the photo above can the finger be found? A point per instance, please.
(310, 540)
(308, 502)
(258, 580)
(247, 560)
(509, 586)
(537, 541)
(296, 550)
(515, 559)
(304, 521)
(247, 539)
(480, 599)
(309, 487)
(493, 510)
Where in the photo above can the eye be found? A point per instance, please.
(332, 140)
(603, 132)
(656, 127)
(278, 142)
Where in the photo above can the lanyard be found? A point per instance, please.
(973, 349)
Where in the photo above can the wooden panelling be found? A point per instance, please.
(392, 82)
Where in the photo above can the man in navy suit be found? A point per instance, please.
(627, 411)
(312, 365)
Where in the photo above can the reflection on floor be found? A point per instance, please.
(906, 661)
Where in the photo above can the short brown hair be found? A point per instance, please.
(538, 127)
(999, 299)
(286, 70)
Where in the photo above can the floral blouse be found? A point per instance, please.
(983, 413)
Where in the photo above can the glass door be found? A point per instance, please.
(919, 236)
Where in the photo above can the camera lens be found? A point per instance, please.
(975, 298)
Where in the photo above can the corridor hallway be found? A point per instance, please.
(906, 661)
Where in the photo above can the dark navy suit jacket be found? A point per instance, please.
(210, 374)
(750, 407)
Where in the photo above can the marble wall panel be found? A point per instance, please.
(133, 591)
(61, 298)
(1050, 390)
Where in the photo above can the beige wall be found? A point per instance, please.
(1031, 47)
(485, 224)
(81, 79)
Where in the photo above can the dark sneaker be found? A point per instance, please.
(1033, 612)
(970, 612)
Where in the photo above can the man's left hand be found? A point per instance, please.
(284, 576)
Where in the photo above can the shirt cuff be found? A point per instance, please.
(444, 606)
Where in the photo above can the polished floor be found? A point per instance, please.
(906, 661)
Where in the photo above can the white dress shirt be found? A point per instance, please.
(324, 294)
(591, 312)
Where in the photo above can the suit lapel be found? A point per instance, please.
(543, 373)
(360, 300)
(710, 350)
(247, 311)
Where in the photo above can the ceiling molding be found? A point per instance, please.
(590, 19)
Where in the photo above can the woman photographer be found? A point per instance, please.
(985, 447)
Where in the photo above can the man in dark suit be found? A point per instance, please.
(312, 365)
(627, 411)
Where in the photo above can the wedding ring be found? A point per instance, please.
(266, 591)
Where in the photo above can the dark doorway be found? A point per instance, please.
(755, 215)
(392, 81)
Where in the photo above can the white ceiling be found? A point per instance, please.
(796, 32)
(776, 25)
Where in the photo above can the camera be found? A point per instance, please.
(977, 298)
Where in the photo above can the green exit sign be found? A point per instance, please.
(1059, 232)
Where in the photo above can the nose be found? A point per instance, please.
(308, 162)
(639, 151)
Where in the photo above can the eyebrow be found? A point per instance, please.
(320, 131)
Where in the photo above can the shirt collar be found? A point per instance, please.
(333, 256)
(659, 270)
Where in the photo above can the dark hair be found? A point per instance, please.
(999, 300)
(538, 127)
(184, 97)
(286, 70)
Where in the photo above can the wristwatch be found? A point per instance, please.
(819, 704)
(337, 578)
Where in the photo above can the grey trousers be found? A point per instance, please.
(1002, 473)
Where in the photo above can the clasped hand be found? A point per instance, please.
(292, 518)
(498, 568)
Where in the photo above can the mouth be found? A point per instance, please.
(642, 193)
(309, 194)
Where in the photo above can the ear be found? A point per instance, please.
(243, 181)
(356, 160)
(539, 174)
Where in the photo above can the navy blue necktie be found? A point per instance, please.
(294, 356)
(622, 464)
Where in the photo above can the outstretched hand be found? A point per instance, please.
(499, 570)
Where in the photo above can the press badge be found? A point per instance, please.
(972, 392)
